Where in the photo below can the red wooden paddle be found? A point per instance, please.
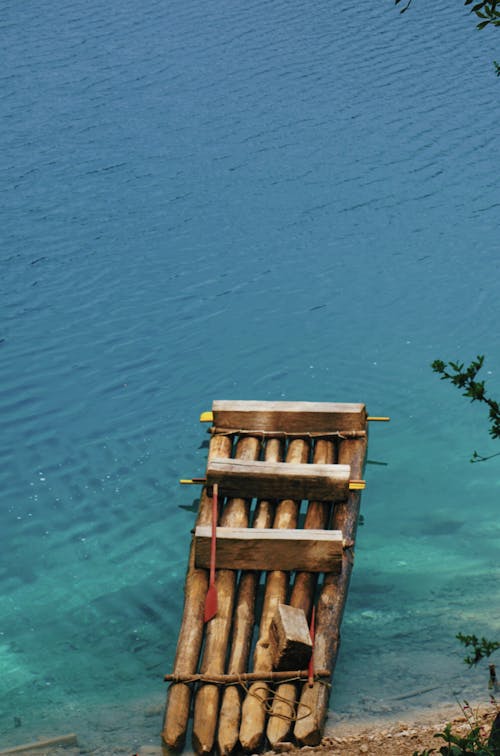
(312, 632)
(211, 597)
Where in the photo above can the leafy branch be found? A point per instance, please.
(475, 742)
(488, 11)
(464, 378)
(481, 647)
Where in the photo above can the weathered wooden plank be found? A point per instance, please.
(243, 625)
(270, 549)
(279, 480)
(191, 632)
(289, 417)
(206, 706)
(253, 712)
(308, 730)
(318, 514)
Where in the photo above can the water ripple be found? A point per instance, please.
(242, 200)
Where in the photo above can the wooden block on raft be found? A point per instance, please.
(289, 417)
(270, 549)
(279, 480)
(289, 639)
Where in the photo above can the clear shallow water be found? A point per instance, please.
(237, 201)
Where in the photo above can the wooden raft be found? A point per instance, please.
(289, 480)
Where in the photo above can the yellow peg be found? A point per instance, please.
(207, 417)
(379, 419)
(357, 485)
(190, 481)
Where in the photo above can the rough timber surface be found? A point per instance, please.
(276, 479)
(266, 549)
(258, 711)
(289, 417)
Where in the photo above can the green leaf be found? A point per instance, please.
(438, 366)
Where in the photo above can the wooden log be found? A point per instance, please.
(38, 745)
(290, 641)
(309, 730)
(244, 677)
(289, 417)
(206, 707)
(243, 624)
(275, 480)
(270, 549)
(253, 712)
(318, 514)
(191, 632)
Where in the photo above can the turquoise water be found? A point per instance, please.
(237, 200)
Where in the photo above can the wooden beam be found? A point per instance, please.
(308, 730)
(206, 706)
(237, 477)
(289, 417)
(286, 694)
(243, 626)
(253, 713)
(271, 549)
(38, 745)
(190, 638)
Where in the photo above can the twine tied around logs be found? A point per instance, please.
(253, 687)
(270, 696)
(311, 435)
(245, 677)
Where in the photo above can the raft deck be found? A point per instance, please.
(288, 477)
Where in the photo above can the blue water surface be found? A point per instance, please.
(252, 201)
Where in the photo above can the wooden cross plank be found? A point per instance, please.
(279, 480)
(271, 549)
(289, 417)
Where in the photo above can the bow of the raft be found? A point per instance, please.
(268, 573)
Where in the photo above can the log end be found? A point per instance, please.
(282, 714)
(250, 741)
(170, 743)
(201, 747)
(176, 717)
(312, 738)
(206, 709)
(229, 721)
(253, 717)
(309, 729)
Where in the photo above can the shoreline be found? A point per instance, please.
(388, 735)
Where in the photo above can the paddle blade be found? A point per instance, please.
(211, 597)
(210, 603)
(312, 632)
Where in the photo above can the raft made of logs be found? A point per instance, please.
(285, 481)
